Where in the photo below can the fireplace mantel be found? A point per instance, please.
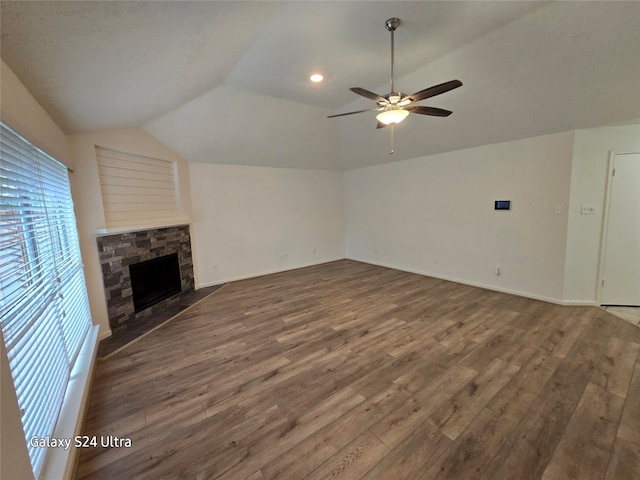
(101, 232)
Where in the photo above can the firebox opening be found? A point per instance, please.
(154, 280)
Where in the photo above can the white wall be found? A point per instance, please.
(592, 150)
(85, 186)
(25, 115)
(434, 215)
(14, 457)
(247, 218)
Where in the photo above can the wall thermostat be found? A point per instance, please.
(502, 205)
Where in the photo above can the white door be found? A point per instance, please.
(621, 263)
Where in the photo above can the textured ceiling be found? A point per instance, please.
(227, 82)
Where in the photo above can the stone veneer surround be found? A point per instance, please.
(116, 252)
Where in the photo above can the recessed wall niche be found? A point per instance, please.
(137, 190)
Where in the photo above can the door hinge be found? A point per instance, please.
(613, 174)
(602, 283)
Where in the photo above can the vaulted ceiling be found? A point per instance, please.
(227, 82)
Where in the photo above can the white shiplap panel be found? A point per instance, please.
(126, 190)
(106, 154)
(112, 174)
(108, 199)
(118, 226)
(138, 217)
(136, 189)
(135, 183)
(136, 166)
(139, 207)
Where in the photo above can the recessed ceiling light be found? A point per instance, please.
(316, 78)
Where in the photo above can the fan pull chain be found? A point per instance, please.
(391, 139)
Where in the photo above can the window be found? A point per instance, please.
(44, 309)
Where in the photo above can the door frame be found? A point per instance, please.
(605, 218)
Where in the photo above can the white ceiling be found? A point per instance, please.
(227, 82)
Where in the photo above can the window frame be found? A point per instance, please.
(44, 308)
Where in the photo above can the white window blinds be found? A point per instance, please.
(44, 310)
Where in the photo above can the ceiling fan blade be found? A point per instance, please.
(435, 90)
(368, 94)
(433, 111)
(352, 113)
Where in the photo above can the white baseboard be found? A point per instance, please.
(580, 303)
(262, 274)
(104, 334)
(481, 285)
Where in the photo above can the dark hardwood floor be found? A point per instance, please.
(352, 371)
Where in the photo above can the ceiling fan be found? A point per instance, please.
(395, 106)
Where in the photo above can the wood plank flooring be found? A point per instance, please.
(352, 371)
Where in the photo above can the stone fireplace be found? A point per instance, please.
(118, 252)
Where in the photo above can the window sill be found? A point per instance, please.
(60, 462)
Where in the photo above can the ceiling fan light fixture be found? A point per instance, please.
(393, 116)
(394, 107)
